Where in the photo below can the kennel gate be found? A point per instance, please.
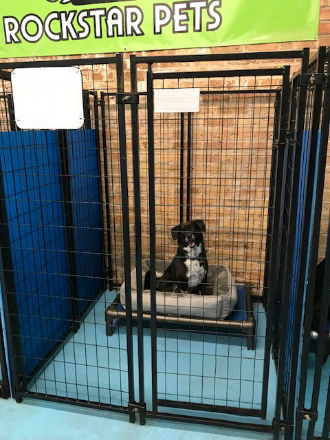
(56, 247)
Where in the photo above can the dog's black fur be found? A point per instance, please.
(317, 307)
(191, 254)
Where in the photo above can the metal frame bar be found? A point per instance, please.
(189, 154)
(210, 92)
(276, 55)
(126, 236)
(69, 232)
(218, 73)
(138, 239)
(8, 295)
(75, 402)
(246, 326)
(152, 227)
(11, 111)
(326, 425)
(272, 185)
(248, 412)
(210, 422)
(109, 269)
(98, 131)
(87, 111)
(59, 63)
(4, 382)
(182, 139)
(4, 75)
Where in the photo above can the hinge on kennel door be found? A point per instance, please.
(314, 79)
(309, 415)
(4, 390)
(281, 425)
(137, 408)
(128, 98)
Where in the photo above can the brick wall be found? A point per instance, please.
(230, 166)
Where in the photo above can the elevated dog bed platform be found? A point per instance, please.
(218, 302)
(238, 319)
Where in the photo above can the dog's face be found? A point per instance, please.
(190, 235)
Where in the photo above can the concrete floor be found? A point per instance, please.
(35, 420)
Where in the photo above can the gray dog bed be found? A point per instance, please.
(218, 304)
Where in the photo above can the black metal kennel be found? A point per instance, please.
(84, 211)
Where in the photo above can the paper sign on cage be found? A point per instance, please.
(176, 100)
(48, 98)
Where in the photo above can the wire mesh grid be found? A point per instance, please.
(56, 193)
(213, 165)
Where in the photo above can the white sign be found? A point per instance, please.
(176, 100)
(48, 98)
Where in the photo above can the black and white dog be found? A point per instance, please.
(188, 269)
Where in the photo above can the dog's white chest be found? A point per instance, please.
(195, 272)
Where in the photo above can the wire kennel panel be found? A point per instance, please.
(238, 207)
(56, 251)
(307, 140)
(313, 369)
(177, 198)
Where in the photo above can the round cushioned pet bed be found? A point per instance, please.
(218, 303)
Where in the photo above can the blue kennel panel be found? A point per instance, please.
(297, 251)
(87, 214)
(34, 202)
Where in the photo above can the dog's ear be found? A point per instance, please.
(200, 224)
(175, 231)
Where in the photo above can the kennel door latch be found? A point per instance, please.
(307, 414)
(128, 98)
(314, 79)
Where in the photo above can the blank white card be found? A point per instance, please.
(48, 98)
(176, 100)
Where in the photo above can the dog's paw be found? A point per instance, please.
(178, 291)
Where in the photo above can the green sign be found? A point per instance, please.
(61, 27)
